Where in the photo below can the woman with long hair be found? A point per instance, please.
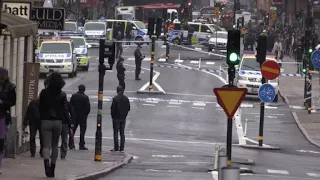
(53, 110)
(7, 100)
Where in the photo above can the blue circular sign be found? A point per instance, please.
(267, 93)
(315, 58)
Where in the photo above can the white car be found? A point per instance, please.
(249, 75)
(57, 55)
(218, 41)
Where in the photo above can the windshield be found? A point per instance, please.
(250, 64)
(214, 27)
(79, 42)
(222, 35)
(140, 25)
(70, 26)
(55, 48)
(95, 26)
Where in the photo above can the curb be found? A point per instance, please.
(150, 92)
(106, 171)
(260, 147)
(284, 97)
(300, 126)
(249, 162)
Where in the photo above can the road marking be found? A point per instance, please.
(259, 114)
(163, 46)
(271, 107)
(308, 151)
(173, 106)
(210, 63)
(270, 117)
(198, 104)
(148, 104)
(183, 162)
(175, 103)
(197, 108)
(313, 174)
(154, 102)
(165, 156)
(178, 61)
(194, 62)
(272, 171)
(297, 107)
(135, 157)
(162, 60)
(198, 49)
(158, 170)
(215, 175)
(133, 58)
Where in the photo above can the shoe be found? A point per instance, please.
(122, 151)
(32, 155)
(113, 150)
(138, 79)
(53, 167)
(62, 157)
(83, 148)
(47, 168)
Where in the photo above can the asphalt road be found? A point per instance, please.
(172, 136)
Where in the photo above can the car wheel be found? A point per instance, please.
(86, 68)
(71, 75)
(276, 98)
(176, 41)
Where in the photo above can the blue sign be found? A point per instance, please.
(315, 58)
(267, 93)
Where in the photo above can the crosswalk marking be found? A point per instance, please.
(199, 104)
(210, 63)
(313, 174)
(145, 59)
(162, 60)
(272, 171)
(178, 61)
(194, 62)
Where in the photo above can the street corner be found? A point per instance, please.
(110, 164)
(264, 147)
(154, 89)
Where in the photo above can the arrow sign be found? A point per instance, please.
(230, 99)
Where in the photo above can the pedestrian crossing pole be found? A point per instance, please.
(153, 38)
(309, 49)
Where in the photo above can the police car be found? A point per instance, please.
(81, 49)
(57, 55)
(94, 30)
(249, 74)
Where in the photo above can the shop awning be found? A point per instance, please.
(17, 26)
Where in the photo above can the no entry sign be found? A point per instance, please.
(270, 70)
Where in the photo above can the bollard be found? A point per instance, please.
(230, 173)
(245, 128)
(179, 57)
(220, 71)
(199, 63)
(222, 162)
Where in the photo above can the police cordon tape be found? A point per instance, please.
(200, 51)
(217, 70)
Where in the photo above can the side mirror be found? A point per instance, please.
(36, 51)
(74, 51)
(134, 28)
(209, 31)
(89, 45)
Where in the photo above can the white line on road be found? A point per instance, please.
(148, 104)
(199, 104)
(172, 106)
(171, 156)
(210, 63)
(175, 103)
(183, 162)
(178, 61)
(272, 171)
(159, 170)
(162, 60)
(194, 62)
(153, 102)
(313, 174)
(259, 114)
(197, 108)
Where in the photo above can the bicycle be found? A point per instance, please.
(267, 92)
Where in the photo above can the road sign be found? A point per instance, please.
(273, 15)
(216, 12)
(230, 99)
(270, 70)
(315, 58)
(267, 93)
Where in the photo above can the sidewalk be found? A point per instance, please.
(292, 89)
(77, 165)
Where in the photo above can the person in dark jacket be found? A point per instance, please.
(65, 131)
(7, 100)
(81, 105)
(119, 48)
(53, 109)
(32, 118)
(138, 60)
(121, 73)
(119, 111)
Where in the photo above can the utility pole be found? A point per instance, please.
(236, 7)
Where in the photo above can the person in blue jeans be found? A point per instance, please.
(7, 100)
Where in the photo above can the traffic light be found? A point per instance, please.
(233, 47)
(107, 50)
(158, 27)
(151, 23)
(261, 49)
(308, 42)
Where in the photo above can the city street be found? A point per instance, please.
(173, 136)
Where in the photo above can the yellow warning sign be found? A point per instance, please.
(273, 15)
(216, 12)
(230, 99)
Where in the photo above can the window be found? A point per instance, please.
(140, 24)
(70, 26)
(94, 27)
(205, 29)
(79, 42)
(250, 64)
(195, 27)
(55, 48)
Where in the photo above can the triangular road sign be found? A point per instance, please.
(230, 99)
(47, 4)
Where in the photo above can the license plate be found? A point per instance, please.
(254, 89)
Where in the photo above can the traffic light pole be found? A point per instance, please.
(310, 41)
(231, 76)
(262, 107)
(153, 38)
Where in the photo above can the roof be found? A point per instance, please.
(18, 26)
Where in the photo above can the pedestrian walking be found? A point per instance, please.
(81, 105)
(119, 111)
(7, 100)
(121, 73)
(65, 131)
(32, 118)
(53, 109)
(138, 61)
(119, 48)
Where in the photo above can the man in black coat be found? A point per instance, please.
(119, 111)
(81, 105)
(32, 118)
(138, 60)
